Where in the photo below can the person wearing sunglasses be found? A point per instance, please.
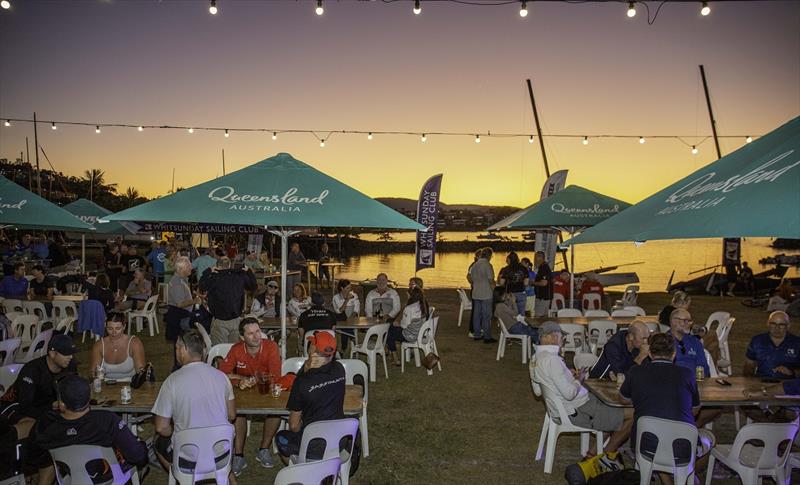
(774, 354)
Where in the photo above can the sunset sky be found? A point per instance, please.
(374, 66)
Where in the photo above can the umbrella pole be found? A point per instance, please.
(572, 274)
(284, 261)
(83, 253)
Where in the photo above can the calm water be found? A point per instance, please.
(659, 259)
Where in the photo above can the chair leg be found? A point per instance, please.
(501, 343)
(402, 360)
(416, 357)
(524, 341)
(542, 437)
(385, 367)
(373, 359)
(710, 469)
(364, 433)
(150, 324)
(460, 314)
(549, 457)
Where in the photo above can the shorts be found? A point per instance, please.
(541, 308)
(11, 412)
(224, 331)
(288, 443)
(598, 416)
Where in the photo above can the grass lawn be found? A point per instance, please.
(478, 420)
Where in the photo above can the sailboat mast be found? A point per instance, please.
(710, 111)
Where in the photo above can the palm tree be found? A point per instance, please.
(97, 183)
(131, 197)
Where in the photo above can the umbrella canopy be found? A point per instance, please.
(89, 212)
(24, 209)
(569, 209)
(754, 191)
(279, 191)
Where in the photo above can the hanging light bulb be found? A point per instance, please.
(477, 138)
(227, 135)
(141, 128)
(705, 10)
(423, 138)
(523, 9)
(212, 9)
(641, 140)
(694, 150)
(190, 130)
(369, 136)
(7, 123)
(417, 8)
(585, 140)
(97, 129)
(748, 139)
(530, 139)
(274, 135)
(631, 9)
(322, 143)
(53, 126)
(319, 8)
(6, 4)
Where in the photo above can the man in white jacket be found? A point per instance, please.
(379, 298)
(550, 373)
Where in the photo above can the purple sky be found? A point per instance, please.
(375, 66)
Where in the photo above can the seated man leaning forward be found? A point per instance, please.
(247, 359)
(775, 353)
(383, 299)
(317, 395)
(622, 351)
(549, 371)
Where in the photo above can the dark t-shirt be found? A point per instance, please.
(319, 393)
(40, 289)
(663, 316)
(543, 273)
(100, 428)
(767, 356)
(615, 357)
(132, 263)
(514, 276)
(660, 389)
(316, 318)
(35, 388)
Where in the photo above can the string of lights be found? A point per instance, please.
(324, 135)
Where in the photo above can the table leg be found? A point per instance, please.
(333, 280)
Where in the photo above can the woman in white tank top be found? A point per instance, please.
(119, 354)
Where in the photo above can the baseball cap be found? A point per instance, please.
(317, 298)
(74, 392)
(549, 327)
(272, 284)
(62, 344)
(324, 342)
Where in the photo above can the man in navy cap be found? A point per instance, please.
(34, 391)
(75, 423)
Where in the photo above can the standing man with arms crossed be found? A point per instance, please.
(543, 284)
(481, 276)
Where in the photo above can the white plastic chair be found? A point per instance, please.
(723, 332)
(424, 344)
(26, 327)
(209, 448)
(37, 348)
(558, 425)
(147, 313)
(592, 301)
(574, 337)
(569, 313)
(653, 327)
(202, 330)
(622, 313)
(8, 375)
(354, 368)
(557, 303)
(639, 311)
(374, 344)
(63, 309)
(751, 462)
(219, 350)
(524, 340)
(667, 432)
(663, 328)
(584, 360)
(464, 304)
(65, 325)
(601, 330)
(292, 364)
(332, 432)
(596, 314)
(309, 473)
(36, 308)
(712, 369)
(628, 297)
(718, 317)
(75, 457)
(12, 305)
(8, 347)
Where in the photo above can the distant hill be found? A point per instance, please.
(402, 204)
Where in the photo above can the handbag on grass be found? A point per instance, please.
(146, 374)
(429, 361)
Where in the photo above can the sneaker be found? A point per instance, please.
(730, 293)
(264, 456)
(470, 335)
(238, 464)
(489, 341)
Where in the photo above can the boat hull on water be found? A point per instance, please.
(715, 282)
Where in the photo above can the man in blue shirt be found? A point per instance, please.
(776, 353)
(689, 351)
(15, 285)
(40, 249)
(623, 351)
(156, 260)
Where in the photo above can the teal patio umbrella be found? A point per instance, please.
(89, 212)
(24, 209)
(280, 192)
(754, 191)
(569, 210)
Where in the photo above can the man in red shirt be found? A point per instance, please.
(591, 285)
(247, 359)
(561, 285)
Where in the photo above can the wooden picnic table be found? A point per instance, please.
(620, 321)
(248, 401)
(712, 393)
